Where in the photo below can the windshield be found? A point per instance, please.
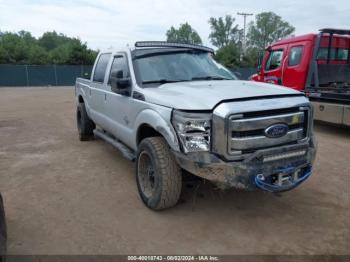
(179, 66)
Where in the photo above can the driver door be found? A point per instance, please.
(273, 66)
(117, 106)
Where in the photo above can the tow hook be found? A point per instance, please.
(283, 180)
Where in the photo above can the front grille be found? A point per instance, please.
(247, 131)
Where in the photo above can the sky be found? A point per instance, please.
(107, 23)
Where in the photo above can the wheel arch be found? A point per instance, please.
(144, 131)
(81, 99)
(150, 123)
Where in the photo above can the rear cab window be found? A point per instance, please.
(340, 54)
(295, 55)
(275, 60)
(101, 66)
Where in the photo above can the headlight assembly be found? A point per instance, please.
(193, 130)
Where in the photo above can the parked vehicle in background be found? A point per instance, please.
(317, 64)
(3, 231)
(171, 107)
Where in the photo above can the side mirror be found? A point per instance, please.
(119, 83)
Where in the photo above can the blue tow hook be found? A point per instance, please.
(262, 183)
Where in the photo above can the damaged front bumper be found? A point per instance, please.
(274, 170)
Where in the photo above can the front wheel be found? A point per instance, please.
(158, 176)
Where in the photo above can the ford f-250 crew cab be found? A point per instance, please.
(172, 107)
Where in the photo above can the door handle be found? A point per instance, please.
(105, 96)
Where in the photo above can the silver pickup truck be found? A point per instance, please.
(173, 109)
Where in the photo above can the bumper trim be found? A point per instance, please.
(242, 174)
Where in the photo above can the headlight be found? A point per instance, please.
(193, 130)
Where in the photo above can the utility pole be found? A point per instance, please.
(244, 29)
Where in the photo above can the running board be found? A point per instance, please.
(126, 152)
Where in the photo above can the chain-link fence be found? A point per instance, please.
(42, 75)
(63, 75)
(244, 73)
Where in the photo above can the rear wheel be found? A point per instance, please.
(85, 125)
(158, 176)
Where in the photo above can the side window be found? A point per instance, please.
(295, 55)
(275, 60)
(119, 63)
(101, 67)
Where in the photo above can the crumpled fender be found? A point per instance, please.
(156, 120)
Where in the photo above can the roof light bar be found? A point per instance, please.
(171, 44)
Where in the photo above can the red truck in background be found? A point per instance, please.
(317, 64)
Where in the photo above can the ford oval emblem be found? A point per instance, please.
(276, 131)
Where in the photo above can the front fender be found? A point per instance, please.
(160, 121)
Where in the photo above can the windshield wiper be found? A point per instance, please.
(162, 81)
(210, 78)
(165, 81)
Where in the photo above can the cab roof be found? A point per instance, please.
(338, 33)
(308, 37)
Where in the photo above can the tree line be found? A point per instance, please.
(228, 38)
(50, 48)
(225, 35)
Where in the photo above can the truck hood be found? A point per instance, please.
(205, 95)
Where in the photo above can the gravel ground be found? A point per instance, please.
(63, 196)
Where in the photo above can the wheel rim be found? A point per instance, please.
(146, 174)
